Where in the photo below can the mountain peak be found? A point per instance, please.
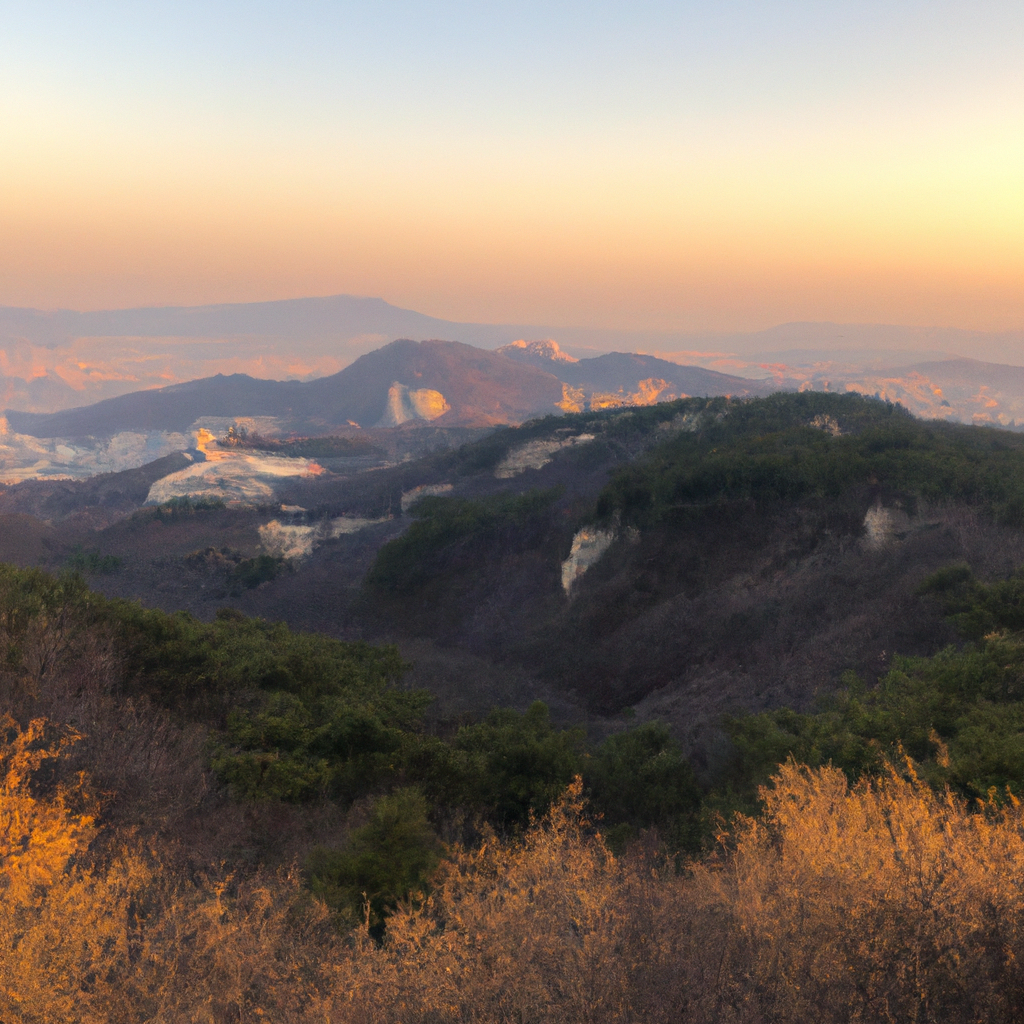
(536, 352)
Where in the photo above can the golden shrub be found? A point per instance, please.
(120, 939)
(878, 902)
(883, 901)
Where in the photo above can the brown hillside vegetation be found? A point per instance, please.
(879, 902)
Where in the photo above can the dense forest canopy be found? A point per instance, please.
(789, 447)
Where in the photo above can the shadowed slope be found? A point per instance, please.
(172, 408)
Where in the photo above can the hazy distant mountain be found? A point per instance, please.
(964, 390)
(52, 360)
(618, 370)
(59, 360)
(439, 381)
(331, 318)
(461, 385)
(475, 387)
(857, 342)
(973, 374)
(480, 387)
(337, 318)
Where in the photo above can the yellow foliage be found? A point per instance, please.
(555, 929)
(37, 838)
(879, 902)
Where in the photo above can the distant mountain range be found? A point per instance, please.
(291, 319)
(97, 392)
(55, 360)
(61, 359)
(449, 383)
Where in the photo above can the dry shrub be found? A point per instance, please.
(39, 842)
(219, 949)
(121, 939)
(881, 902)
(556, 929)
(128, 943)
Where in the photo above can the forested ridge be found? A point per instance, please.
(709, 502)
(233, 820)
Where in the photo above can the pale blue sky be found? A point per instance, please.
(511, 68)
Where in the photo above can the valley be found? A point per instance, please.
(542, 560)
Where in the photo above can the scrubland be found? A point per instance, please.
(154, 869)
(883, 901)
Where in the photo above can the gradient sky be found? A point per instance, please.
(687, 166)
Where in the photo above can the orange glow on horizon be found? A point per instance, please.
(919, 230)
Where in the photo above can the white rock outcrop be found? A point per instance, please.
(545, 349)
(236, 476)
(884, 526)
(409, 498)
(404, 405)
(23, 457)
(589, 544)
(30, 458)
(535, 455)
(294, 542)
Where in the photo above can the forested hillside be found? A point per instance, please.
(758, 550)
(806, 621)
(230, 821)
(753, 552)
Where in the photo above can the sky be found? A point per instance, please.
(670, 166)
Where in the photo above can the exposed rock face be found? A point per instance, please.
(535, 455)
(295, 542)
(536, 352)
(23, 457)
(248, 477)
(884, 526)
(405, 405)
(409, 498)
(588, 546)
(827, 423)
(687, 423)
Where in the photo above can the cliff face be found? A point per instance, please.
(404, 405)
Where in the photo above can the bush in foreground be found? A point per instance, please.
(882, 901)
